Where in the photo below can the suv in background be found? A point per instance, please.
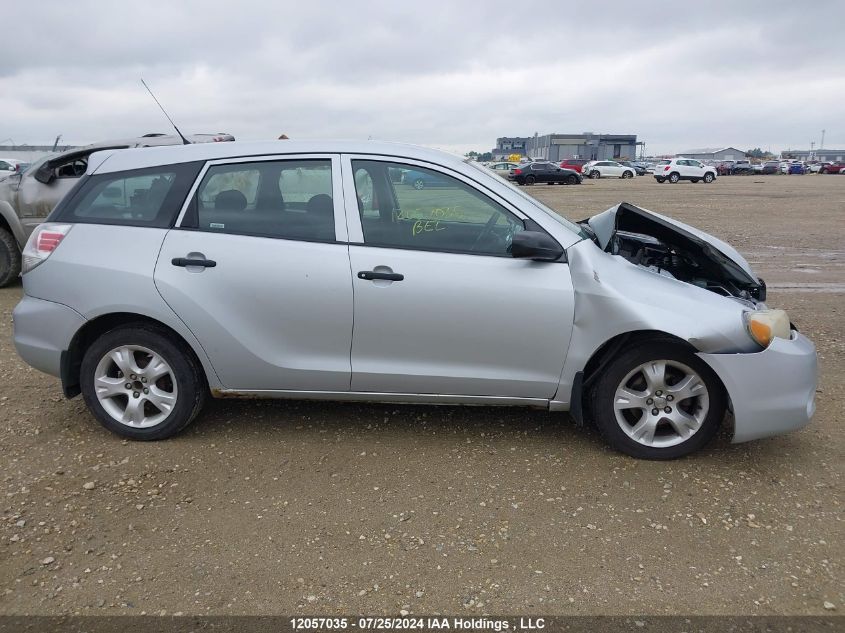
(676, 169)
(742, 167)
(27, 196)
(575, 164)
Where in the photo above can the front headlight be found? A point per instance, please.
(765, 325)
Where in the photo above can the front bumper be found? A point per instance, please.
(43, 330)
(772, 391)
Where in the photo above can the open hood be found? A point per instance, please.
(675, 249)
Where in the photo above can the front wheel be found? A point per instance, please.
(627, 174)
(140, 383)
(10, 258)
(595, 174)
(572, 179)
(658, 400)
(419, 183)
(708, 177)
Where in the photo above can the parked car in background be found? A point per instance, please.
(638, 169)
(832, 168)
(140, 294)
(502, 168)
(771, 167)
(423, 179)
(814, 168)
(677, 169)
(741, 167)
(724, 167)
(757, 168)
(26, 198)
(546, 172)
(607, 169)
(575, 164)
(9, 166)
(796, 168)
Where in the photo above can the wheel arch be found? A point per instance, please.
(605, 352)
(71, 360)
(9, 221)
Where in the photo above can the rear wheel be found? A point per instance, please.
(658, 400)
(595, 174)
(674, 177)
(708, 177)
(530, 180)
(140, 383)
(10, 258)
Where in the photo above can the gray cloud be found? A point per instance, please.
(447, 74)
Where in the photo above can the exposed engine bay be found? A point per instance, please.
(665, 247)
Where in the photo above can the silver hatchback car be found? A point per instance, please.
(312, 270)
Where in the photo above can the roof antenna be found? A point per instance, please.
(182, 136)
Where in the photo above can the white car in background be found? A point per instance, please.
(676, 169)
(607, 169)
(503, 168)
(9, 166)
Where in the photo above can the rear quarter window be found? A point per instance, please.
(150, 197)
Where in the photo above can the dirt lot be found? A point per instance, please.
(274, 507)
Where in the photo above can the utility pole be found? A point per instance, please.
(812, 147)
(821, 145)
(56, 142)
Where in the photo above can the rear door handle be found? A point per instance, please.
(186, 261)
(371, 274)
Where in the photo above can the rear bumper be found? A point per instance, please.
(42, 331)
(772, 391)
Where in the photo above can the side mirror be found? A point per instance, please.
(45, 174)
(535, 245)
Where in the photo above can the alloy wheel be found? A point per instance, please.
(661, 403)
(135, 386)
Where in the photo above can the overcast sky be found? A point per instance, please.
(454, 75)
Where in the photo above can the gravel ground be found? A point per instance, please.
(275, 507)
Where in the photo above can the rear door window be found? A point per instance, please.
(290, 199)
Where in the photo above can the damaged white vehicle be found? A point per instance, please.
(311, 270)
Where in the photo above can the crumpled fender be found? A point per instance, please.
(614, 296)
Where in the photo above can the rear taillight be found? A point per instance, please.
(517, 171)
(44, 240)
(667, 168)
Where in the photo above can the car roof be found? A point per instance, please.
(138, 158)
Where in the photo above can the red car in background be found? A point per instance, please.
(575, 164)
(832, 168)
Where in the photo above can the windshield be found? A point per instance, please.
(578, 230)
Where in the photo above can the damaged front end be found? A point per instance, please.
(676, 250)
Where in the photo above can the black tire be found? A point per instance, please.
(708, 178)
(418, 184)
(10, 258)
(603, 393)
(674, 177)
(530, 180)
(660, 180)
(572, 179)
(189, 378)
(627, 174)
(595, 174)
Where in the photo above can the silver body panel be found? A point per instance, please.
(287, 318)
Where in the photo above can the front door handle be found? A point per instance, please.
(187, 261)
(371, 274)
